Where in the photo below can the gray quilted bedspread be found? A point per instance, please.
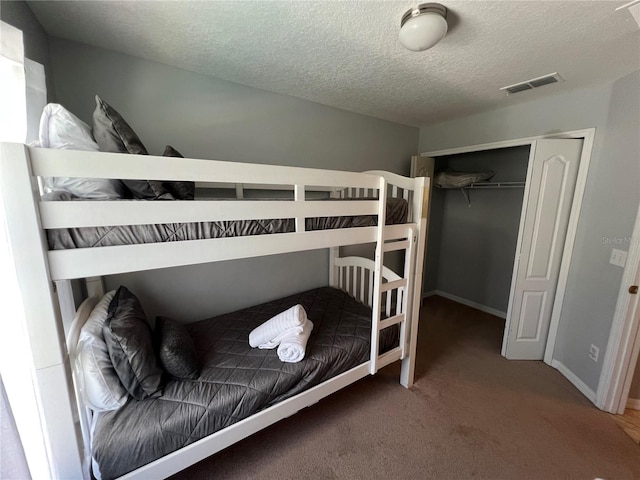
(64, 238)
(235, 380)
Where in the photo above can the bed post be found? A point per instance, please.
(377, 285)
(420, 209)
(334, 254)
(95, 287)
(49, 436)
(66, 303)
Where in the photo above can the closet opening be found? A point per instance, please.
(500, 239)
(473, 230)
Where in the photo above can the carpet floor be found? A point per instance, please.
(471, 414)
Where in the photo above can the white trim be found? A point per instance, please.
(430, 293)
(633, 403)
(518, 142)
(622, 348)
(569, 375)
(469, 303)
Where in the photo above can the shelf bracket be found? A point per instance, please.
(465, 194)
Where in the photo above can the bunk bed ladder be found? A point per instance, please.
(396, 296)
(395, 292)
(389, 295)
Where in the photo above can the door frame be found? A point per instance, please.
(624, 341)
(588, 136)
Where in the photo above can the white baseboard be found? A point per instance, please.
(633, 403)
(468, 303)
(579, 384)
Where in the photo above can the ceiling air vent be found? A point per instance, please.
(533, 83)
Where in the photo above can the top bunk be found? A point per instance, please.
(304, 209)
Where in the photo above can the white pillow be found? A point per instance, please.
(61, 129)
(102, 388)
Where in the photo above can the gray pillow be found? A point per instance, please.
(176, 350)
(113, 134)
(129, 341)
(179, 190)
(148, 189)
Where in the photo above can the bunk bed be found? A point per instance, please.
(380, 306)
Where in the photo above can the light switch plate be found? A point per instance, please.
(618, 257)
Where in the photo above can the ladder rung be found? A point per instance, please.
(392, 232)
(393, 246)
(389, 357)
(385, 287)
(387, 322)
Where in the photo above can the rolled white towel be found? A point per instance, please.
(293, 347)
(271, 332)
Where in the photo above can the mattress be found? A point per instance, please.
(84, 237)
(236, 380)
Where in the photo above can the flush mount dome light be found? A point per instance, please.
(424, 26)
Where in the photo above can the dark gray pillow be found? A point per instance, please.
(130, 343)
(179, 190)
(176, 350)
(148, 189)
(113, 134)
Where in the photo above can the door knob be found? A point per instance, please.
(633, 289)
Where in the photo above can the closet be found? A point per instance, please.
(499, 245)
(473, 231)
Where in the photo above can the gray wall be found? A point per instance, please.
(36, 41)
(475, 245)
(612, 186)
(623, 144)
(204, 117)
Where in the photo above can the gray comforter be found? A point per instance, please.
(64, 238)
(235, 380)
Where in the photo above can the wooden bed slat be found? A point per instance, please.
(98, 213)
(72, 163)
(393, 285)
(88, 262)
(387, 322)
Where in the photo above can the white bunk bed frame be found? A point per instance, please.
(45, 276)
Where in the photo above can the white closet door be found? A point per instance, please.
(551, 181)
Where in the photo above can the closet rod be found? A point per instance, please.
(488, 185)
(497, 185)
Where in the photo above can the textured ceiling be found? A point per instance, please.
(346, 53)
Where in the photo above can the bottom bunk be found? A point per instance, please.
(235, 381)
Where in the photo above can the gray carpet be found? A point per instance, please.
(471, 414)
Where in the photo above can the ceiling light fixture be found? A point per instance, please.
(423, 26)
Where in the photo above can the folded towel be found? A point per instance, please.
(271, 332)
(292, 347)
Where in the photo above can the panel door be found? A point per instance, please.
(551, 181)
